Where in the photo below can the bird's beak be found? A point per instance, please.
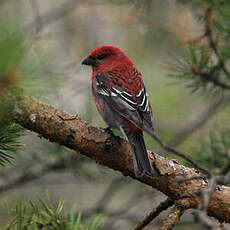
(89, 61)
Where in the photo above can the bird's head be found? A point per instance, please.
(106, 57)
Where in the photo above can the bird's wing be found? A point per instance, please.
(127, 96)
(145, 109)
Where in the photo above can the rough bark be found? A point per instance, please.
(174, 215)
(114, 152)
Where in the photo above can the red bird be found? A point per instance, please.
(122, 100)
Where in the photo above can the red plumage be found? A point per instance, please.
(122, 100)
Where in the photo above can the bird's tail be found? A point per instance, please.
(141, 160)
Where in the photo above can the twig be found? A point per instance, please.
(37, 20)
(205, 76)
(200, 214)
(122, 211)
(178, 153)
(100, 206)
(212, 43)
(174, 216)
(53, 15)
(154, 213)
(203, 118)
(26, 178)
(208, 31)
(207, 193)
(205, 221)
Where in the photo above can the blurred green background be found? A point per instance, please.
(50, 38)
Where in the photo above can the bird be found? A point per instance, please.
(122, 100)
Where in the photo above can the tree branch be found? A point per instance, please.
(174, 216)
(178, 153)
(113, 152)
(52, 15)
(28, 177)
(154, 213)
(207, 76)
(205, 221)
(200, 121)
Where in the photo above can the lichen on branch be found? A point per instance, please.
(114, 152)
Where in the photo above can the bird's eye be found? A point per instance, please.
(102, 57)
